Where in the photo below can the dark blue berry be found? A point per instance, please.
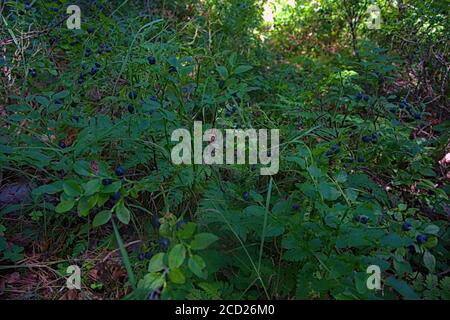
(363, 219)
(148, 255)
(172, 69)
(180, 224)
(132, 95)
(329, 154)
(87, 52)
(151, 60)
(97, 65)
(296, 206)
(155, 222)
(421, 238)
(141, 256)
(228, 113)
(246, 196)
(27, 6)
(33, 73)
(130, 108)
(94, 70)
(406, 226)
(62, 144)
(106, 181)
(411, 249)
(336, 149)
(154, 98)
(90, 30)
(366, 139)
(403, 104)
(365, 98)
(120, 171)
(417, 116)
(116, 196)
(164, 243)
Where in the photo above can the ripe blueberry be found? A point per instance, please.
(366, 139)
(116, 196)
(246, 196)
(87, 52)
(296, 206)
(336, 149)
(33, 73)
(90, 30)
(141, 256)
(120, 171)
(421, 238)
(148, 255)
(164, 243)
(130, 108)
(155, 222)
(363, 219)
(62, 144)
(151, 59)
(180, 224)
(172, 69)
(94, 70)
(106, 181)
(27, 6)
(417, 116)
(132, 95)
(406, 226)
(228, 113)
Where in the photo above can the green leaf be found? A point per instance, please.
(92, 187)
(242, 69)
(113, 187)
(256, 196)
(196, 264)
(176, 256)
(403, 288)
(203, 240)
(101, 218)
(42, 101)
(328, 191)
(315, 172)
(393, 240)
(157, 262)
(431, 229)
(187, 230)
(51, 188)
(123, 214)
(223, 72)
(72, 188)
(65, 206)
(429, 261)
(85, 204)
(82, 167)
(60, 95)
(176, 276)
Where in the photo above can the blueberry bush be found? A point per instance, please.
(86, 176)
